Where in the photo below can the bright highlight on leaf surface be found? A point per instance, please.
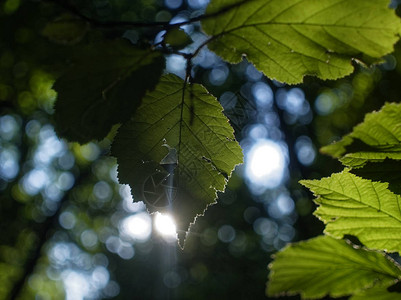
(326, 266)
(290, 39)
(177, 151)
(352, 205)
(103, 88)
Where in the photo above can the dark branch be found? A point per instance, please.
(165, 25)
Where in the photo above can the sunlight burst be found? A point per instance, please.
(165, 225)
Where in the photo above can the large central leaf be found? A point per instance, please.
(290, 39)
(177, 151)
(360, 207)
(326, 266)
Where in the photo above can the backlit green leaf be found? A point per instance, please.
(177, 38)
(377, 138)
(177, 151)
(326, 266)
(359, 159)
(385, 171)
(103, 88)
(360, 207)
(290, 39)
(66, 30)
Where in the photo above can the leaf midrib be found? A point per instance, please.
(302, 24)
(352, 264)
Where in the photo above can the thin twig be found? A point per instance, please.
(166, 25)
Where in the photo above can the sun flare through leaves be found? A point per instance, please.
(177, 151)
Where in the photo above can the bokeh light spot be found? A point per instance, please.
(67, 220)
(324, 104)
(218, 75)
(226, 233)
(173, 4)
(265, 164)
(9, 166)
(172, 279)
(305, 150)
(265, 227)
(198, 4)
(176, 64)
(263, 94)
(89, 238)
(137, 227)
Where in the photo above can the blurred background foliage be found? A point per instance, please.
(69, 230)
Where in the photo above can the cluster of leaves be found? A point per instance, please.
(176, 148)
(362, 201)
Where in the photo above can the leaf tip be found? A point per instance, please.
(182, 235)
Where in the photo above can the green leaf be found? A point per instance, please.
(326, 266)
(352, 205)
(377, 138)
(177, 151)
(103, 88)
(386, 171)
(359, 159)
(290, 39)
(376, 293)
(66, 30)
(177, 38)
